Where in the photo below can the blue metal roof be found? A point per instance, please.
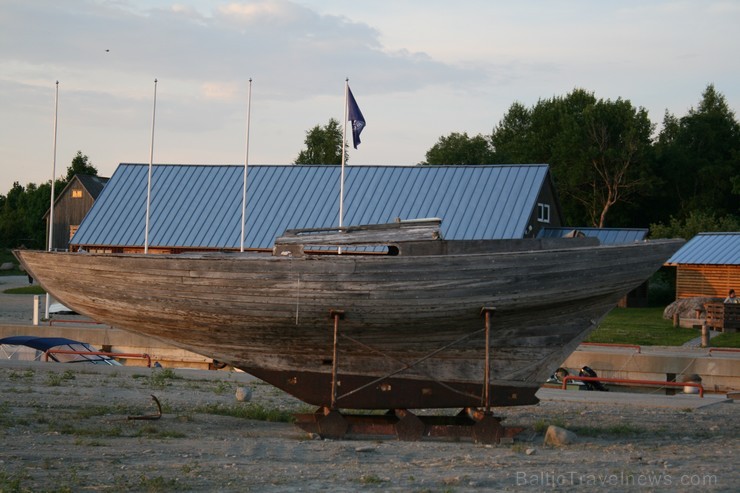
(607, 236)
(200, 205)
(709, 249)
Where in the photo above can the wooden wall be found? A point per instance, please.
(706, 280)
(69, 210)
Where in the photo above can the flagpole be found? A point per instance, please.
(53, 180)
(344, 140)
(149, 176)
(246, 165)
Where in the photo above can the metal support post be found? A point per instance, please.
(487, 312)
(336, 315)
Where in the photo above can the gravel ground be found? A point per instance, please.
(66, 428)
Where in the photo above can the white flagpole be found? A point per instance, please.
(149, 176)
(53, 180)
(344, 140)
(246, 165)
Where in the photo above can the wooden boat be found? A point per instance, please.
(397, 329)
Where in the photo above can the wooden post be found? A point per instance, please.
(676, 320)
(704, 335)
(336, 315)
(35, 309)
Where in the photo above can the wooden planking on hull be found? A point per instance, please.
(270, 314)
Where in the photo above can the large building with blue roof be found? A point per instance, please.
(199, 207)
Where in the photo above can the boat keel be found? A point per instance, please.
(401, 424)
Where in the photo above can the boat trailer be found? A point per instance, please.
(478, 424)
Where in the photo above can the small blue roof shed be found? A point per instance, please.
(708, 265)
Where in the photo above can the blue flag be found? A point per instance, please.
(355, 116)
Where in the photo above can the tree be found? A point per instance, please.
(458, 148)
(619, 138)
(694, 223)
(511, 137)
(22, 210)
(323, 145)
(598, 150)
(698, 157)
(80, 165)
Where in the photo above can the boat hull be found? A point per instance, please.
(412, 335)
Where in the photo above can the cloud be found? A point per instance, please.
(295, 51)
(220, 91)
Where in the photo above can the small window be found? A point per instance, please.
(543, 213)
(76, 194)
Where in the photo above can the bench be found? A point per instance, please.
(723, 316)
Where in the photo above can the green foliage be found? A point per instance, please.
(22, 210)
(26, 290)
(160, 377)
(80, 165)
(6, 255)
(323, 145)
(598, 150)
(542, 425)
(458, 148)
(22, 215)
(726, 339)
(248, 411)
(608, 170)
(698, 160)
(617, 430)
(370, 479)
(641, 326)
(695, 222)
(662, 287)
(57, 379)
(13, 482)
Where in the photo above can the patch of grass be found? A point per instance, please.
(159, 378)
(250, 411)
(5, 420)
(16, 390)
(13, 483)
(87, 431)
(726, 339)
(157, 484)
(617, 430)
(89, 443)
(93, 411)
(56, 379)
(33, 289)
(519, 448)
(14, 375)
(541, 425)
(151, 431)
(222, 388)
(641, 326)
(370, 479)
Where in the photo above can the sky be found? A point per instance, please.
(419, 70)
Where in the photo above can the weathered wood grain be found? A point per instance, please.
(269, 315)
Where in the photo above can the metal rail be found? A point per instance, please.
(609, 344)
(101, 353)
(635, 382)
(724, 350)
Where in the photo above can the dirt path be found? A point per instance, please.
(65, 428)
